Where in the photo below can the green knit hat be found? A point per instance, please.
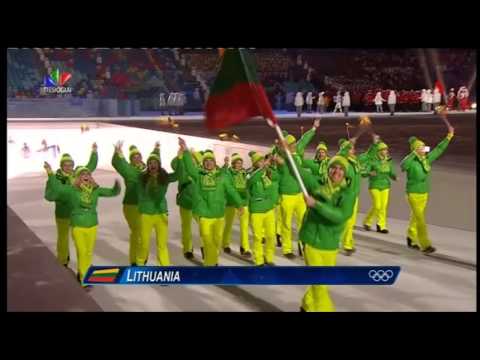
(208, 154)
(235, 157)
(322, 146)
(133, 151)
(342, 142)
(81, 169)
(381, 146)
(153, 156)
(255, 157)
(415, 143)
(290, 139)
(338, 160)
(66, 157)
(197, 155)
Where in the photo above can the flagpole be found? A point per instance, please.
(289, 156)
(280, 136)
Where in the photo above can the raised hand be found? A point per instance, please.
(182, 143)
(157, 144)
(47, 167)
(94, 147)
(310, 201)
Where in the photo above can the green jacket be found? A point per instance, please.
(385, 171)
(357, 166)
(317, 167)
(82, 204)
(262, 189)
(185, 184)
(239, 182)
(151, 196)
(288, 183)
(210, 190)
(62, 208)
(129, 173)
(323, 224)
(418, 171)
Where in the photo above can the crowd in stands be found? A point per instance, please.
(145, 73)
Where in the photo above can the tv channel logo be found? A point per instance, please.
(55, 82)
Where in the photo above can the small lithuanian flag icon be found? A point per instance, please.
(104, 275)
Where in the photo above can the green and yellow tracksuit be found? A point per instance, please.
(62, 212)
(418, 171)
(355, 171)
(317, 167)
(130, 173)
(209, 199)
(379, 188)
(82, 203)
(323, 227)
(184, 200)
(152, 206)
(239, 182)
(261, 206)
(291, 197)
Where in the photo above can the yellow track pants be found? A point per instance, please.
(230, 214)
(278, 219)
(84, 240)
(347, 237)
(263, 225)
(131, 214)
(211, 233)
(417, 229)
(316, 298)
(63, 251)
(186, 217)
(291, 204)
(147, 224)
(379, 208)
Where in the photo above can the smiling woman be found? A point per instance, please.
(79, 199)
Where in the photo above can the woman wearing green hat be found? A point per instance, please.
(330, 205)
(417, 165)
(238, 176)
(152, 186)
(82, 199)
(184, 201)
(130, 171)
(291, 198)
(318, 165)
(261, 205)
(65, 175)
(379, 170)
(211, 187)
(355, 171)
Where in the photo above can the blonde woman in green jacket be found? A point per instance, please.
(82, 198)
(65, 174)
(418, 166)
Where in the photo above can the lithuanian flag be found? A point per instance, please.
(104, 276)
(236, 94)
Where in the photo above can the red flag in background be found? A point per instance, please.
(237, 94)
(440, 87)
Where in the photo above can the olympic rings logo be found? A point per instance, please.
(380, 275)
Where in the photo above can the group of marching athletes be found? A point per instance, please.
(264, 197)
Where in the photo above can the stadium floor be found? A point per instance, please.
(445, 281)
